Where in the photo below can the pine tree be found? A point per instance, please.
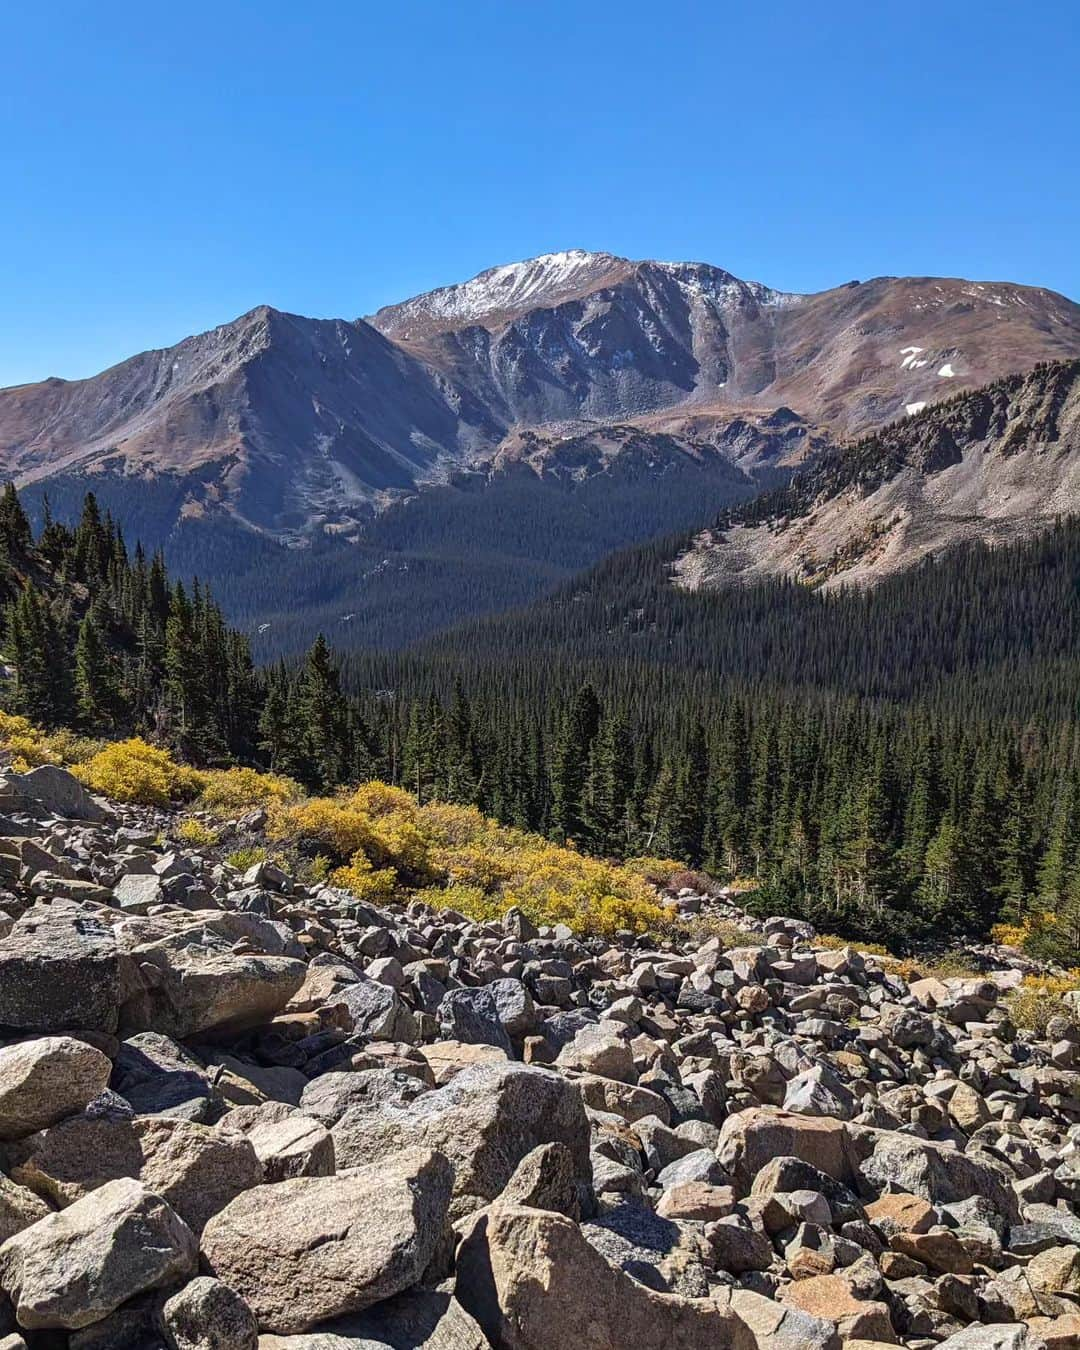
(97, 689)
(322, 719)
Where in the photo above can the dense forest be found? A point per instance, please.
(893, 764)
(479, 544)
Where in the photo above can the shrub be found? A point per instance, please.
(1040, 998)
(363, 880)
(28, 746)
(1009, 934)
(234, 791)
(243, 858)
(471, 901)
(133, 771)
(703, 926)
(656, 871)
(197, 832)
(381, 837)
(380, 821)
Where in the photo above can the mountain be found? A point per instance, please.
(995, 464)
(598, 399)
(590, 335)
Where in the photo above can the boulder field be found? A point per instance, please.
(242, 1113)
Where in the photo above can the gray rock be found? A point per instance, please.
(42, 1081)
(701, 1165)
(51, 790)
(486, 1119)
(329, 1097)
(74, 1268)
(195, 982)
(208, 1315)
(377, 1011)
(60, 970)
(472, 1016)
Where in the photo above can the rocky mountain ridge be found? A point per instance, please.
(294, 426)
(392, 1127)
(996, 464)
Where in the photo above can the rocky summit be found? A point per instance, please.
(240, 1112)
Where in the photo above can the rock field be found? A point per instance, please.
(240, 1112)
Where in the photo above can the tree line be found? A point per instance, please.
(913, 771)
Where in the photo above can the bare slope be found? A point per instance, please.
(998, 464)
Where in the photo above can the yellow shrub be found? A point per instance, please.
(197, 832)
(233, 791)
(133, 771)
(1040, 998)
(29, 746)
(376, 819)
(331, 821)
(658, 871)
(473, 864)
(363, 880)
(243, 858)
(471, 901)
(1010, 934)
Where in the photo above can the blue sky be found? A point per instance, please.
(166, 167)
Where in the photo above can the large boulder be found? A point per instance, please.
(50, 790)
(330, 1096)
(195, 982)
(42, 1081)
(485, 1121)
(74, 1268)
(303, 1251)
(752, 1138)
(532, 1281)
(377, 1011)
(891, 1161)
(60, 970)
(198, 1170)
(472, 1016)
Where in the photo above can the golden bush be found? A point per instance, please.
(1040, 998)
(29, 746)
(197, 833)
(365, 881)
(134, 771)
(234, 791)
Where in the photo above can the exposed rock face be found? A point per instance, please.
(998, 464)
(295, 425)
(777, 1145)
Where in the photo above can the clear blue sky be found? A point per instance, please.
(168, 166)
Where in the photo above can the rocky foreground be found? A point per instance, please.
(238, 1112)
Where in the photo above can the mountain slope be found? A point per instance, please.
(295, 426)
(590, 335)
(588, 394)
(286, 422)
(995, 464)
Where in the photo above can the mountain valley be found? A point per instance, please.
(494, 436)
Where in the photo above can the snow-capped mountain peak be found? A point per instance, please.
(549, 279)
